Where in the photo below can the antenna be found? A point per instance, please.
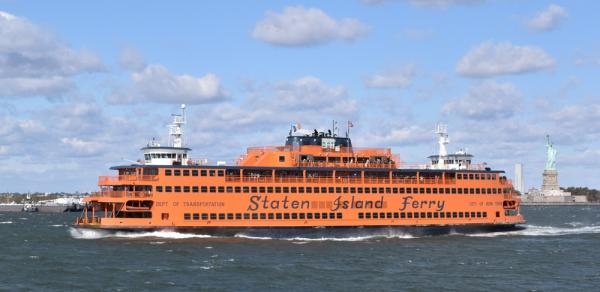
(176, 129)
(443, 140)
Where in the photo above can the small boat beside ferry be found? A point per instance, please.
(316, 179)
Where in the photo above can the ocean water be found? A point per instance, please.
(558, 250)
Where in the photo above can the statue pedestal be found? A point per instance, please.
(550, 181)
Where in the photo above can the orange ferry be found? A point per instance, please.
(317, 179)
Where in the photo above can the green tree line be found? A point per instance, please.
(592, 195)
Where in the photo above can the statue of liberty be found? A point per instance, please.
(550, 155)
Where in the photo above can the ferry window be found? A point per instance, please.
(168, 189)
(388, 190)
(196, 216)
(186, 216)
(447, 190)
(309, 215)
(254, 189)
(454, 214)
(331, 215)
(460, 215)
(416, 214)
(459, 176)
(220, 173)
(211, 172)
(471, 191)
(186, 172)
(442, 215)
(470, 176)
(302, 216)
(415, 190)
(409, 215)
(221, 189)
(278, 189)
(396, 215)
(476, 176)
(389, 215)
(382, 190)
(459, 190)
(221, 216)
(338, 190)
(269, 189)
(323, 190)
(477, 191)
(472, 214)
(229, 216)
(286, 190)
(278, 216)
(429, 215)
(345, 190)
(422, 190)
(213, 216)
(308, 190)
(368, 215)
(375, 215)
(294, 215)
(246, 189)
(177, 172)
(195, 189)
(323, 215)
(466, 214)
(281, 158)
(203, 173)
(159, 189)
(448, 215)
(262, 189)
(374, 190)
(316, 190)
(186, 189)
(301, 190)
(361, 215)
(428, 191)
(254, 216)
(408, 190)
(317, 216)
(177, 189)
(395, 190)
(229, 189)
(485, 214)
(204, 216)
(436, 215)
(195, 172)
(238, 189)
(167, 172)
(286, 215)
(204, 189)
(402, 215)
(367, 190)
(434, 190)
(353, 190)
(246, 216)
(213, 189)
(422, 214)
(359, 190)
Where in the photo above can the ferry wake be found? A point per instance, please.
(316, 180)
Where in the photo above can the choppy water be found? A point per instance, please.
(559, 249)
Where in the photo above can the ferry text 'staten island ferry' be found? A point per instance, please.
(318, 179)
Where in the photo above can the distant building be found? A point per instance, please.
(550, 192)
(519, 178)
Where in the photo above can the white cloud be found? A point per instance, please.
(35, 62)
(155, 83)
(488, 100)
(399, 78)
(309, 93)
(81, 147)
(548, 18)
(131, 59)
(490, 59)
(299, 26)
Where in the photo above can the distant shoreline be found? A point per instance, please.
(562, 204)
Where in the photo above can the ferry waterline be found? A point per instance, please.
(316, 180)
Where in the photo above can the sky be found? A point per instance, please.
(84, 85)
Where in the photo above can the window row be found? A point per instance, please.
(410, 215)
(331, 190)
(476, 176)
(261, 216)
(194, 172)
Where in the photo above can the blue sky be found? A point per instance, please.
(84, 85)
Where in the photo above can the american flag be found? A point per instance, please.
(350, 125)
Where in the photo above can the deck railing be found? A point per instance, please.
(341, 180)
(123, 194)
(117, 179)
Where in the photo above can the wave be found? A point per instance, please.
(299, 239)
(6, 222)
(81, 233)
(535, 230)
